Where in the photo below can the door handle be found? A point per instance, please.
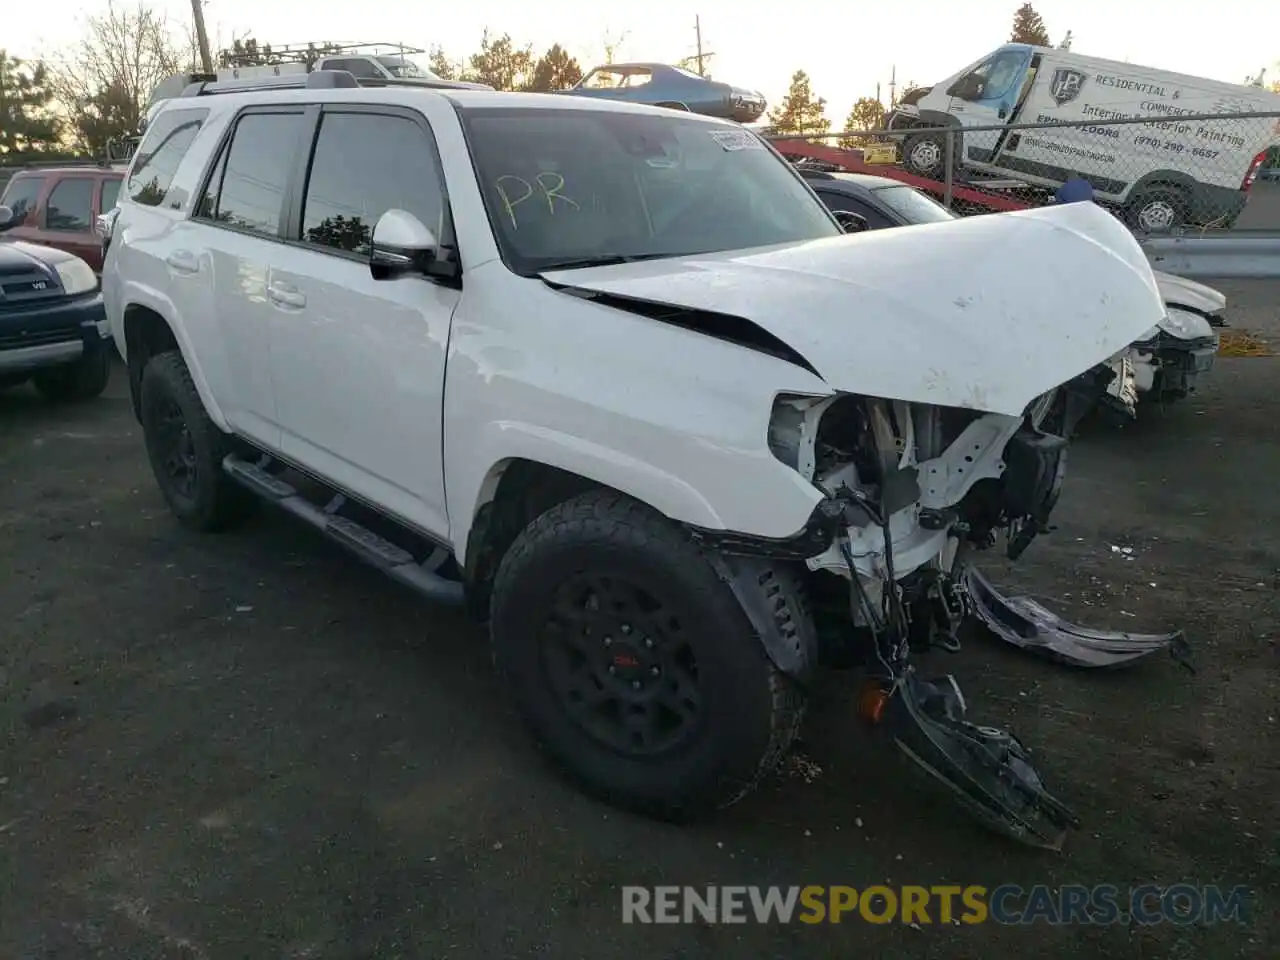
(1004, 111)
(284, 295)
(180, 261)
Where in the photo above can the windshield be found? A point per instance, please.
(914, 206)
(404, 67)
(563, 186)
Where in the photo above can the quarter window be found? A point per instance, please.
(161, 151)
(364, 165)
(110, 193)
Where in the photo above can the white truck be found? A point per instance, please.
(614, 377)
(1158, 174)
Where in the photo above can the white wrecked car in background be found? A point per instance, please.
(1170, 359)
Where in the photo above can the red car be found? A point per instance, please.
(56, 206)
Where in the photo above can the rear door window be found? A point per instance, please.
(247, 189)
(21, 195)
(70, 205)
(160, 153)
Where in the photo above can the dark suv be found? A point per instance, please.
(53, 328)
(56, 206)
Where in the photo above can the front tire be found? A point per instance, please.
(84, 379)
(186, 449)
(633, 663)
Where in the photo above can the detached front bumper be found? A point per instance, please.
(1168, 368)
(52, 333)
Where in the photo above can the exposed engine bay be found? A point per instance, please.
(912, 490)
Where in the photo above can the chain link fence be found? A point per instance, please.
(1158, 173)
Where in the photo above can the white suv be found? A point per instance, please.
(617, 378)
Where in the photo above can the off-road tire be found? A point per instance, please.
(752, 712)
(217, 503)
(84, 379)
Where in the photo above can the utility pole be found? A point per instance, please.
(700, 57)
(202, 37)
(893, 86)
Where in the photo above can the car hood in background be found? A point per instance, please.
(17, 255)
(1181, 292)
(984, 313)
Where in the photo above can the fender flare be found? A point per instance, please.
(504, 443)
(138, 295)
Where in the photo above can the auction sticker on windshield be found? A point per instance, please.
(736, 140)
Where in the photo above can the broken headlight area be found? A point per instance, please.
(909, 490)
(1170, 359)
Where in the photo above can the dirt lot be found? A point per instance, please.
(251, 746)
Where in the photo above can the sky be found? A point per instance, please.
(923, 42)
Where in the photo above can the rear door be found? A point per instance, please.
(66, 219)
(225, 254)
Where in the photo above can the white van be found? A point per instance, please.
(1158, 174)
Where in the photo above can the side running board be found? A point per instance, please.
(375, 550)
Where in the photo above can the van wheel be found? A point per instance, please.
(1156, 209)
(82, 380)
(186, 449)
(926, 154)
(633, 663)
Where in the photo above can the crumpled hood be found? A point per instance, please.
(1181, 292)
(985, 312)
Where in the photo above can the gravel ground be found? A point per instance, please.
(251, 746)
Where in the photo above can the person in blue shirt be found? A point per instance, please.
(1076, 190)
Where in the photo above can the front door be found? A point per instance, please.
(987, 96)
(357, 362)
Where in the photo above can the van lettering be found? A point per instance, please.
(1120, 83)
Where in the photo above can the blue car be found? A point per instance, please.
(53, 327)
(662, 85)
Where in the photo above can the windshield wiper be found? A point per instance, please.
(601, 260)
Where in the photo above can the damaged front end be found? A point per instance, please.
(909, 489)
(1171, 359)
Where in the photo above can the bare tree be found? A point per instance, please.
(105, 81)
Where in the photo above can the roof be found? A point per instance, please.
(408, 95)
(867, 180)
(634, 65)
(71, 166)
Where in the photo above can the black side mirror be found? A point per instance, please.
(851, 222)
(7, 219)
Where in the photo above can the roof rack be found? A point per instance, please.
(316, 80)
(270, 54)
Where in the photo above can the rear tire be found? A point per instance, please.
(633, 664)
(926, 155)
(1156, 209)
(72, 382)
(186, 449)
